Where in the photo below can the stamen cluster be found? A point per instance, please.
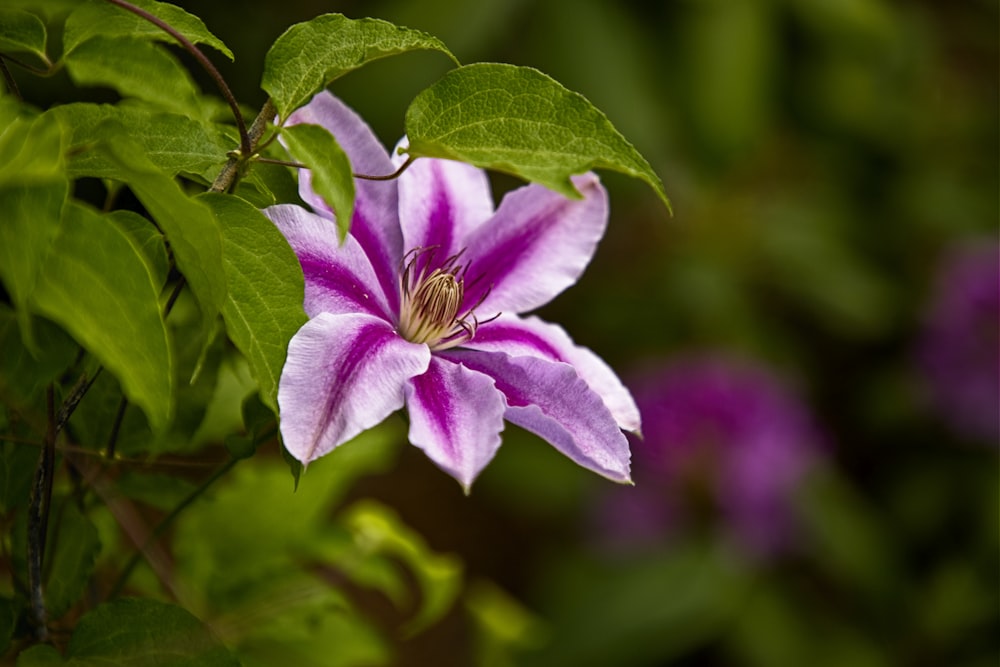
(432, 301)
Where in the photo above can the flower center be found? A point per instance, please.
(430, 311)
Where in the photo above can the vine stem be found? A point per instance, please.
(38, 517)
(245, 144)
(231, 171)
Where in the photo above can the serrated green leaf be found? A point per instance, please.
(175, 144)
(134, 632)
(263, 308)
(522, 122)
(99, 287)
(22, 31)
(135, 68)
(379, 530)
(73, 549)
(332, 177)
(309, 56)
(189, 225)
(94, 19)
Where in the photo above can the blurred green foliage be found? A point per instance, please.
(821, 156)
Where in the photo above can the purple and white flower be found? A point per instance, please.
(421, 305)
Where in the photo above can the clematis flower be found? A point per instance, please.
(726, 444)
(421, 306)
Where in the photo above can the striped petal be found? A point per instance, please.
(376, 211)
(536, 245)
(441, 202)
(456, 416)
(339, 278)
(549, 399)
(532, 337)
(343, 374)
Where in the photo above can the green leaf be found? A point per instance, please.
(17, 467)
(41, 655)
(31, 148)
(309, 56)
(97, 284)
(175, 144)
(135, 68)
(145, 633)
(522, 122)
(263, 307)
(378, 530)
(31, 215)
(22, 31)
(94, 19)
(73, 549)
(189, 225)
(148, 239)
(332, 177)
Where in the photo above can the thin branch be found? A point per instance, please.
(230, 173)
(282, 163)
(245, 144)
(38, 518)
(403, 167)
(9, 79)
(116, 425)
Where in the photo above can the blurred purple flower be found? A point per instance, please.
(725, 444)
(959, 351)
(419, 306)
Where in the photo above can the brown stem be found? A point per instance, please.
(245, 143)
(230, 173)
(38, 518)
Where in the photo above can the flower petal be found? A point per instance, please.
(343, 374)
(376, 212)
(441, 202)
(533, 337)
(456, 416)
(549, 399)
(535, 246)
(339, 278)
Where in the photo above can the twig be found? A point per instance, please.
(38, 518)
(9, 79)
(245, 144)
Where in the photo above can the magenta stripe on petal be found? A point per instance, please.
(385, 257)
(440, 203)
(536, 245)
(550, 400)
(343, 374)
(533, 337)
(456, 416)
(328, 283)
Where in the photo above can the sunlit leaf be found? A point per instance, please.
(135, 68)
(144, 633)
(174, 143)
(22, 31)
(98, 286)
(520, 121)
(310, 55)
(263, 308)
(378, 530)
(332, 178)
(148, 239)
(189, 225)
(98, 18)
(31, 217)
(76, 547)
(31, 148)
